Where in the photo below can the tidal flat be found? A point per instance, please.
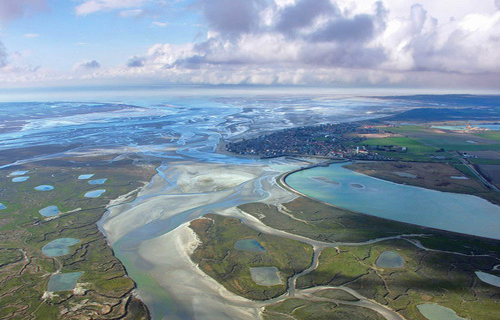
(168, 188)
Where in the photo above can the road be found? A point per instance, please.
(479, 175)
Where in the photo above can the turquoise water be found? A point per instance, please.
(436, 312)
(97, 181)
(94, 193)
(85, 176)
(20, 179)
(448, 211)
(44, 187)
(63, 281)
(2, 206)
(49, 211)
(390, 259)
(265, 276)
(59, 247)
(17, 173)
(488, 278)
(249, 245)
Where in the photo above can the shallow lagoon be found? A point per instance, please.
(44, 187)
(59, 247)
(95, 193)
(436, 312)
(265, 276)
(448, 211)
(97, 181)
(85, 176)
(493, 127)
(488, 278)
(390, 259)
(20, 179)
(249, 245)
(49, 211)
(63, 281)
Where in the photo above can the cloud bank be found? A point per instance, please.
(13, 9)
(318, 42)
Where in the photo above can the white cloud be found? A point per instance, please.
(87, 65)
(93, 6)
(159, 24)
(31, 35)
(429, 43)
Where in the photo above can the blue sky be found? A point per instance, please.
(58, 38)
(363, 43)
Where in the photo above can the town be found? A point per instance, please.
(335, 141)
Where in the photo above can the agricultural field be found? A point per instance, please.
(29, 275)
(448, 140)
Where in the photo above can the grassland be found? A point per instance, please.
(301, 309)
(428, 277)
(217, 256)
(104, 291)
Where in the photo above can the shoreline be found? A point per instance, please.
(282, 182)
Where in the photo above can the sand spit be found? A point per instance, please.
(195, 291)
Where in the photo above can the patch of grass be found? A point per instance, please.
(413, 145)
(219, 259)
(308, 310)
(491, 135)
(484, 161)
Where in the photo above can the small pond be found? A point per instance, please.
(20, 179)
(94, 193)
(434, 311)
(2, 206)
(18, 173)
(59, 247)
(63, 281)
(390, 259)
(488, 278)
(405, 174)
(97, 181)
(50, 211)
(44, 187)
(266, 276)
(85, 176)
(249, 245)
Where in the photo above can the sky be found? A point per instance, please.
(329, 43)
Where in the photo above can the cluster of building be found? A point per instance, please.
(327, 140)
